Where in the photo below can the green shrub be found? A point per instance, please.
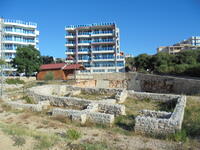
(18, 141)
(28, 100)
(96, 146)
(179, 136)
(49, 76)
(73, 134)
(14, 81)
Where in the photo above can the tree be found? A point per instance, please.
(142, 62)
(2, 62)
(47, 60)
(27, 60)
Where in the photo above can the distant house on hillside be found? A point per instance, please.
(59, 71)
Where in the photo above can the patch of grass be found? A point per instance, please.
(72, 134)
(14, 81)
(18, 140)
(44, 140)
(167, 106)
(178, 136)
(125, 122)
(28, 100)
(94, 96)
(61, 118)
(96, 146)
(6, 107)
(191, 122)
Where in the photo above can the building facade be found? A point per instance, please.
(14, 34)
(96, 46)
(191, 43)
(194, 41)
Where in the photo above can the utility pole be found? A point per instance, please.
(2, 54)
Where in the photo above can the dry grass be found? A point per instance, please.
(61, 118)
(94, 96)
(133, 106)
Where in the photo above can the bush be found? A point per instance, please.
(179, 136)
(18, 141)
(49, 76)
(14, 81)
(73, 134)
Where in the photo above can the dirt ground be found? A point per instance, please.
(89, 134)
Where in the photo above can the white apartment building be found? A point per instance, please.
(194, 41)
(96, 46)
(191, 43)
(16, 33)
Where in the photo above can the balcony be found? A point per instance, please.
(102, 33)
(22, 33)
(69, 35)
(20, 23)
(103, 58)
(103, 41)
(120, 57)
(84, 50)
(84, 42)
(84, 59)
(18, 41)
(89, 25)
(103, 49)
(70, 43)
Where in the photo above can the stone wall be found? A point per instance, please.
(146, 82)
(100, 111)
(160, 122)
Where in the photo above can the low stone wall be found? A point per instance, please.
(20, 106)
(100, 111)
(161, 123)
(121, 96)
(152, 96)
(115, 109)
(83, 116)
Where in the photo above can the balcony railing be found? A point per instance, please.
(120, 57)
(111, 57)
(70, 42)
(103, 49)
(82, 58)
(101, 32)
(85, 41)
(19, 22)
(84, 33)
(84, 50)
(90, 25)
(19, 40)
(103, 41)
(19, 31)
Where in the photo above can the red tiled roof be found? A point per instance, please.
(62, 66)
(73, 66)
(52, 66)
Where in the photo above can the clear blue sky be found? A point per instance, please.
(144, 24)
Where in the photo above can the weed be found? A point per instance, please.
(14, 81)
(28, 100)
(125, 122)
(96, 146)
(18, 141)
(73, 134)
(61, 118)
(44, 141)
(178, 136)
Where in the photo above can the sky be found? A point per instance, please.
(144, 24)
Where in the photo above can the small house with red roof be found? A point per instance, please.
(60, 71)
